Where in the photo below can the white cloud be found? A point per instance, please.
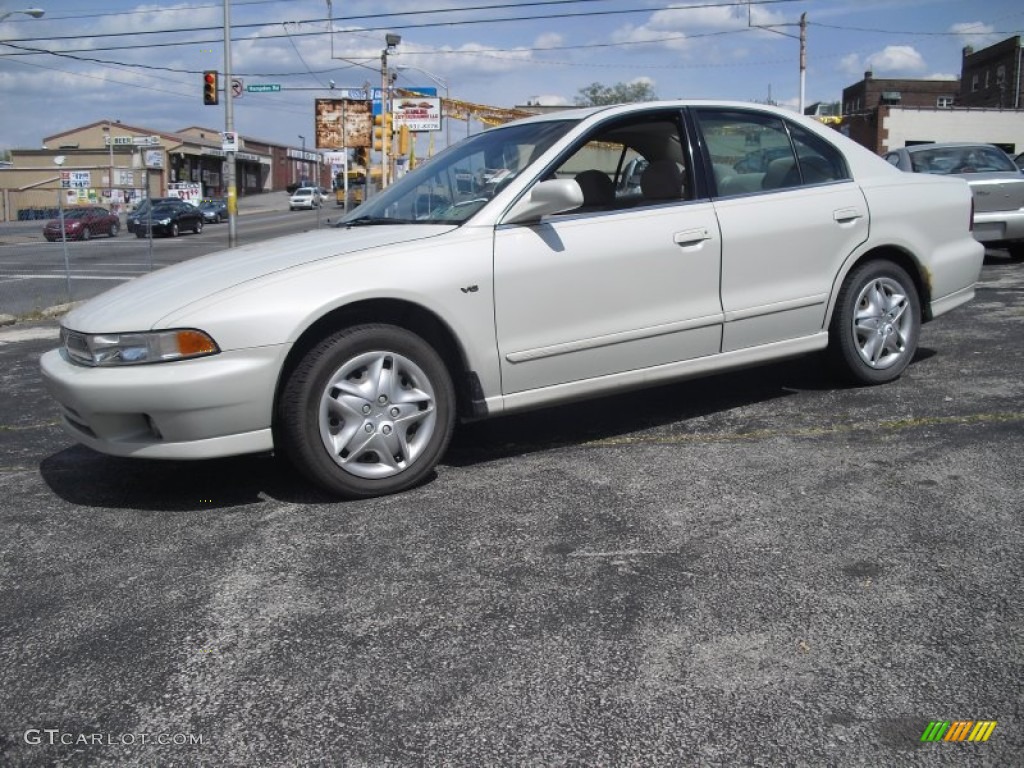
(943, 76)
(549, 100)
(975, 33)
(851, 64)
(898, 59)
(549, 40)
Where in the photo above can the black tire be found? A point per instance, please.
(139, 234)
(86, 233)
(198, 226)
(1016, 251)
(876, 324)
(114, 229)
(340, 397)
(174, 229)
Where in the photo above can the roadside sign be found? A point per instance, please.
(75, 179)
(229, 141)
(237, 87)
(263, 88)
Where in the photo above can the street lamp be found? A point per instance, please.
(391, 40)
(35, 13)
(444, 84)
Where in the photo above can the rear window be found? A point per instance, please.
(942, 160)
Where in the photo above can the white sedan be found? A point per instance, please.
(353, 350)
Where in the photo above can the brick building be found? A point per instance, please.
(863, 103)
(991, 77)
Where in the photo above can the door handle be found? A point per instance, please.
(691, 236)
(844, 215)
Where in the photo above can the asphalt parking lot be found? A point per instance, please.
(763, 568)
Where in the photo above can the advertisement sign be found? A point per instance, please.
(418, 114)
(75, 179)
(343, 123)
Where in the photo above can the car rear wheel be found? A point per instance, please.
(876, 324)
(367, 412)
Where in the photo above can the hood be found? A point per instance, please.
(140, 303)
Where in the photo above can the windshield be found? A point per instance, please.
(452, 186)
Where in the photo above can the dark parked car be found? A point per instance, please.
(214, 209)
(996, 182)
(83, 223)
(141, 211)
(171, 219)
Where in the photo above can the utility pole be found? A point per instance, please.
(385, 139)
(802, 37)
(390, 41)
(229, 127)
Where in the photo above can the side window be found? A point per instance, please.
(755, 152)
(629, 163)
(819, 161)
(893, 159)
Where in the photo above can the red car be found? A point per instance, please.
(83, 223)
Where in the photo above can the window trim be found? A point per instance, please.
(788, 127)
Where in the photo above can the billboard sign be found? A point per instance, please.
(418, 114)
(343, 123)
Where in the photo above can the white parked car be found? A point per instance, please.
(305, 197)
(995, 180)
(353, 350)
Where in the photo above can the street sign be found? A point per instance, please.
(237, 87)
(263, 88)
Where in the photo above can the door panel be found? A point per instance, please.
(589, 295)
(782, 251)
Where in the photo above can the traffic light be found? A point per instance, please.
(403, 140)
(381, 131)
(210, 88)
(362, 158)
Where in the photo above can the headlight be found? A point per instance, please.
(104, 349)
(164, 222)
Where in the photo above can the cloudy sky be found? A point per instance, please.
(140, 63)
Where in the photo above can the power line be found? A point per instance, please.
(388, 27)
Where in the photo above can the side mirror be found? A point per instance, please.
(546, 198)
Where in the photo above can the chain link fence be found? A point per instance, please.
(38, 277)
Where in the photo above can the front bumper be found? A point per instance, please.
(214, 406)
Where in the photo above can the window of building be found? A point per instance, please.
(974, 83)
(944, 102)
(1000, 74)
(986, 78)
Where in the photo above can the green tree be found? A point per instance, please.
(598, 95)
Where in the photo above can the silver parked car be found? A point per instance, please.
(996, 181)
(353, 350)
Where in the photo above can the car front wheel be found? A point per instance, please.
(876, 324)
(174, 229)
(114, 229)
(367, 412)
(86, 234)
(198, 227)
